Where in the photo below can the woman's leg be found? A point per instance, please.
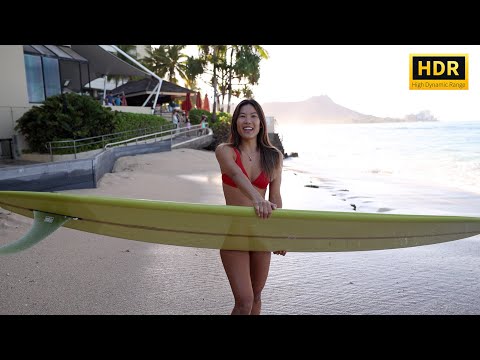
(237, 268)
(259, 266)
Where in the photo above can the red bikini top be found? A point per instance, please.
(260, 182)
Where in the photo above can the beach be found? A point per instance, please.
(73, 272)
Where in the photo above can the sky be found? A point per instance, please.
(370, 79)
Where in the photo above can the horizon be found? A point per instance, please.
(369, 79)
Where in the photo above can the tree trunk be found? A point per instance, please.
(230, 76)
(214, 110)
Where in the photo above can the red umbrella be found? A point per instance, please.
(198, 102)
(206, 104)
(188, 104)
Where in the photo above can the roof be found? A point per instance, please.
(103, 62)
(57, 51)
(146, 86)
(100, 62)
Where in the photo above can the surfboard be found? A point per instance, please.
(228, 227)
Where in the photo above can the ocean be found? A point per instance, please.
(411, 168)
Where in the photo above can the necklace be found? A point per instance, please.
(249, 157)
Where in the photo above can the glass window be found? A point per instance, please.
(33, 70)
(51, 76)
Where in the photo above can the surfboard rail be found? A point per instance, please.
(237, 227)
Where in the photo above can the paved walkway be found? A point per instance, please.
(12, 162)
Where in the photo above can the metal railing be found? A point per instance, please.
(99, 142)
(171, 134)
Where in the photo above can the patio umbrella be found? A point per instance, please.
(198, 102)
(206, 104)
(188, 104)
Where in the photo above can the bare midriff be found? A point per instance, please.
(233, 196)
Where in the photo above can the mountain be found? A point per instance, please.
(321, 109)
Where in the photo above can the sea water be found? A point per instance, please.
(389, 167)
(412, 168)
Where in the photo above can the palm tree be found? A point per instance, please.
(167, 61)
(192, 68)
(215, 55)
(247, 65)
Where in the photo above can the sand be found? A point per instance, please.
(73, 272)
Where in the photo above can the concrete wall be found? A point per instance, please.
(13, 88)
(132, 109)
(74, 174)
(197, 142)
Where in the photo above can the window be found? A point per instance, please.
(43, 77)
(52, 76)
(34, 71)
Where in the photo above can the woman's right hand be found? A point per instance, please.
(263, 208)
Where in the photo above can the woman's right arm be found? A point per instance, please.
(225, 157)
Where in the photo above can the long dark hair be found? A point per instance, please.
(269, 155)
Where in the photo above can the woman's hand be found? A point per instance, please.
(263, 208)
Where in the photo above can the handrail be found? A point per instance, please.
(103, 139)
(172, 133)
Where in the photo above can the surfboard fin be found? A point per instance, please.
(44, 224)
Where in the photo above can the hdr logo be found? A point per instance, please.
(439, 72)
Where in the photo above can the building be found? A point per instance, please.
(31, 73)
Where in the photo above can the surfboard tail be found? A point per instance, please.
(44, 225)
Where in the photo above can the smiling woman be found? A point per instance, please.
(246, 185)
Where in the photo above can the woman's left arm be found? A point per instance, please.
(274, 194)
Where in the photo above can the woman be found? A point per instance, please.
(203, 130)
(249, 155)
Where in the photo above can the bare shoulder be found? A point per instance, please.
(223, 150)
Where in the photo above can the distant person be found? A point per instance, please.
(171, 106)
(188, 125)
(109, 99)
(249, 164)
(182, 118)
(118, 100)
(204, 125)
(175, 120)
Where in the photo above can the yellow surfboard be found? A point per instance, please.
(228, 227)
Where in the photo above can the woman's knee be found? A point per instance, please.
(257, 297)
(245, 302)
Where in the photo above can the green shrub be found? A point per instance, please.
(221, 129)
(195, 116)
(72, 117)
(64, 116)
(224, 117)
(130, 121)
